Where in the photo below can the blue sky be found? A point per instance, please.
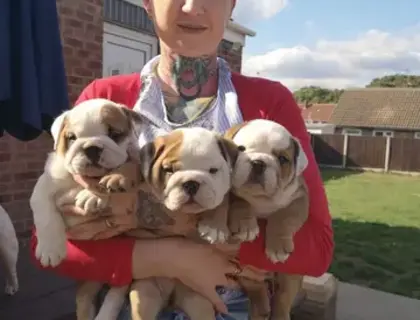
(306, 21)
(310, 30)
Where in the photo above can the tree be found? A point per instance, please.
(395, 81)
(315, 94)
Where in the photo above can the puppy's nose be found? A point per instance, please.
(258, 166)
(191, 187)
(93, 153)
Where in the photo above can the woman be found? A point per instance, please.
(187, 85)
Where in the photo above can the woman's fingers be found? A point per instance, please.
(234, 269)
(209, 292)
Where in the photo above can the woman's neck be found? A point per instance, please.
(188, 78)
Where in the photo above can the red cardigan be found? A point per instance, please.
(110, 260)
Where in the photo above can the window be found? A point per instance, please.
(352, 132)
(416, 135)
(383, 133)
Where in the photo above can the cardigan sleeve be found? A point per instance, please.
(314, 241)
(89, 260)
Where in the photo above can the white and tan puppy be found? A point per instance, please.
(90, 140)
(189, 172)
(9, 251)
(268, 177)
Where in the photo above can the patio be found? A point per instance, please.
(44, 296)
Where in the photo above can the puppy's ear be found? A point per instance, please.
(300, 159)
(57, 127)
(231, 132)
(229, 150)
(135, 117)
(148, 155)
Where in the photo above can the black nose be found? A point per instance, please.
(191, 187)
(258, 166)
(93, 153)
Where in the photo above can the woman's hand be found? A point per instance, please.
(201, 267)
(101, 226)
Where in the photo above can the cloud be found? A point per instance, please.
(340, 64)
(251, 10)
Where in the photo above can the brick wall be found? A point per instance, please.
(232, 55)
(81, 25)
(22, 162)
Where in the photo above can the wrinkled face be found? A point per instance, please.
(191, 28)
(188, 170)
(271, 159)
(94, 137)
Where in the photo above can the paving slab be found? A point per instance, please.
(42, 294)
(358, 303)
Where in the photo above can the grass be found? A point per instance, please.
(376, 221)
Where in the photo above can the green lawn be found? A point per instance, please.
(377, 230)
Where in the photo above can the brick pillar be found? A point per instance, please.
(21, 163)
(81, 26)
(232, 55)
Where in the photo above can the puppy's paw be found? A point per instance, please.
(90, 202)
(116, 183)
(281, 251)
(51, 253)
(11, 288)
(212, 233)
(244, 230)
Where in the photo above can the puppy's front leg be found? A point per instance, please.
(123, 179)
(242, 222)
(148, 297)
(90, 202)
(213, 224)
(195, 306)
(50, 227)
(281, 227)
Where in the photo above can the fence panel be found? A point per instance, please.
(328, 149)
(366, 152)
(404, 155)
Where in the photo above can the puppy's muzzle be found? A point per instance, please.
(258, 167)
(93, 153)
(191, 187)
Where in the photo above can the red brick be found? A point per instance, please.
(4, 157)
(5, 198)
(28, 175)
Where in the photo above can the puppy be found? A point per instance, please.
(9, 250)
(93, 140)
(267, 183)
(189, 172)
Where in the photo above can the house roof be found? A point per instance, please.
(393, 108)
(317, 111)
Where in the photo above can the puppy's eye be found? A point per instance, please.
(283, 160)
(168, 169)
(213, 170)
(71, 136)
(241, 148)
(115, 135)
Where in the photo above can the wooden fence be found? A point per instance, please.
(381, 153)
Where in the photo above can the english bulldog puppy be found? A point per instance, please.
(9, 250)
(267, 184)
(189, 172)
(90, 140)
(93, 140)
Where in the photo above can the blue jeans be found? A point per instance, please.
(235, 300)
